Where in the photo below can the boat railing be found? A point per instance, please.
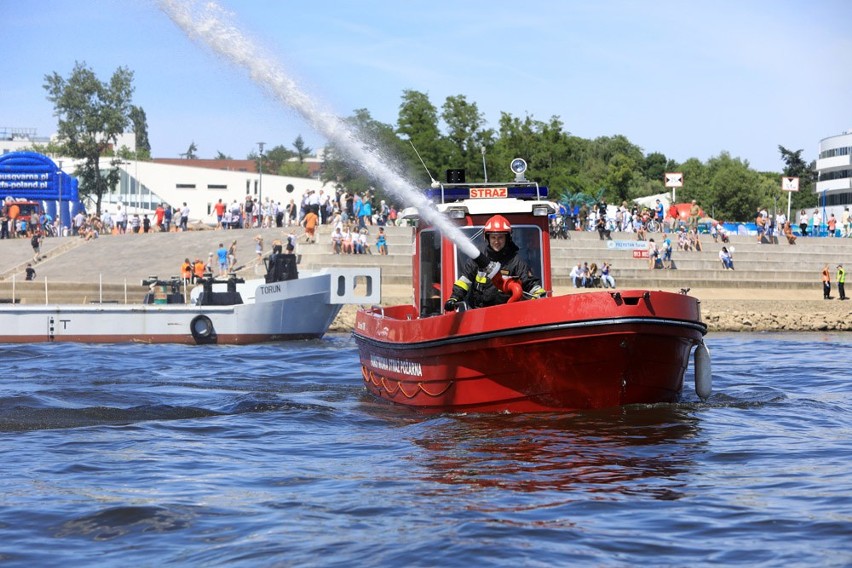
(17, 295)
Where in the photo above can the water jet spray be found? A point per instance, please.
(209, 24)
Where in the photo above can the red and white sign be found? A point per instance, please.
(674, 179)
(640, 253)
(488, 192)
(790, 183)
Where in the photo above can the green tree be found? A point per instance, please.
(550, 152)
(340, 169)
(573, 168)
(190, 152)
(795, 166)
(277, 158)
(92, 115)
(302, 150)
(417, 123)
(696, 183)
(294, 169)
(52, 148)
(140, 130)
(654, 167)
(619, 176)
(466, 134)
(222, 156)
(733, 191)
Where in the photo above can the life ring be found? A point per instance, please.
(202, 330)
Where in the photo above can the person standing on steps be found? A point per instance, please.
(184, 217)
(258, 247)
(232, 257)
(35, 241)
(841, 282)
(222, 257)
(826, 283)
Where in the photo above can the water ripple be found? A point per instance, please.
(275, 455)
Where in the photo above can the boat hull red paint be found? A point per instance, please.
(578, 351)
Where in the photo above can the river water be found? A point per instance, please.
(274, 455)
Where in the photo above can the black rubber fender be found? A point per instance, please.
(202, 330)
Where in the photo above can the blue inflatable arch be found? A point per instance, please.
(32, 176)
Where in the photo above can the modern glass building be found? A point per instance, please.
(834, 170)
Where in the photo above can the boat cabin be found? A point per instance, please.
(163, 291)
(281, 266)
(438, 261)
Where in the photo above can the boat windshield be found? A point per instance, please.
(527, 237)
(430, 272)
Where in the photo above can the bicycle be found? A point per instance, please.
(558, 229)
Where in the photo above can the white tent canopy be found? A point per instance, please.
(651, 201)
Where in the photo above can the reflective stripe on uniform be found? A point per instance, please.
(463, 283)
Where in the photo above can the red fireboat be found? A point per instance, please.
(557, 353)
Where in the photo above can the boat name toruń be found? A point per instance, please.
(271, 289)
(396, 365)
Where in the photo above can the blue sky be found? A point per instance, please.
(688, 79)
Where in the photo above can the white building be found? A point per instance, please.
(143, 185)
(13, 139)
(834, 169)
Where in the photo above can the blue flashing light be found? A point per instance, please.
(460, 193)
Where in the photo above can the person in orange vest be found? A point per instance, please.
(186, 271)
(826, 283)
(198, 268)
(310, 223)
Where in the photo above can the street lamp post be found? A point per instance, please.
(59, 232)
(133, 189)
(260, 169)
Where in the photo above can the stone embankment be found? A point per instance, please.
(761, 315)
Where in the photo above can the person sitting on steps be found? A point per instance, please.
(788, 232)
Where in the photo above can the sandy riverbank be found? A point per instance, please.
(723, 309)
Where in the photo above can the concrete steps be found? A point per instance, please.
(766, 265)
(119, 259)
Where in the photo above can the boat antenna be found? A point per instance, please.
(435, 183)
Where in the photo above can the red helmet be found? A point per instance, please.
(497, 224)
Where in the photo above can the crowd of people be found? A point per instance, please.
(586, 275)
(642, 221)
(358, 221)
(629, 218)
(347, 239)
(813, 224)
(362, 210)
